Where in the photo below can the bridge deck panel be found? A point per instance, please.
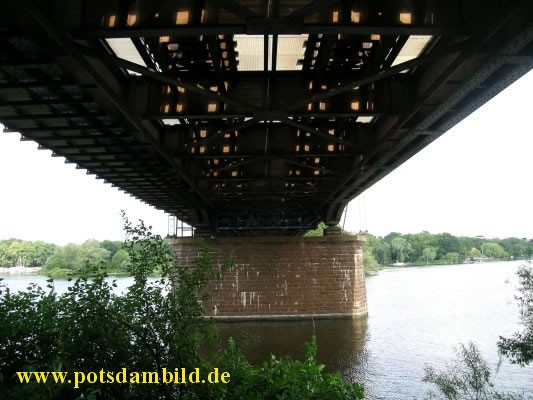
(195, 133)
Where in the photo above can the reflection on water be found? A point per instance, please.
(416, 317)
(340, 343)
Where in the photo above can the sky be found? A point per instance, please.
(474, 180)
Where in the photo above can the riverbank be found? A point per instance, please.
(440, 263)
(20, 270)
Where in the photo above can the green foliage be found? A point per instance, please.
(473, 252)
(493, 250)
(120, 261)
(429, 253)
(468, 377)
(63, 261)
(370, 264)
(71, 259)
(14, 252)
(152, 326)
(283, 378)
(401, 249)
(452, 258)
(448, 249)
(380, 249)
(519, 348)
(112, 246)
(75, 258)
(446, 243)
(319, 231)
(516, 248)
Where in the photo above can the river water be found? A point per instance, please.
(416, 317)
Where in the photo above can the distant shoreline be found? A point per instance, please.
(19, 270)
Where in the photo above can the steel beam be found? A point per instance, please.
(58, 102)
(44, 117)
(344, 191)
(237, 127)
(313, 7)
(73, 49)
(158, 76)
(237, 9)
(271, 29)
(385, 73)
(317, 132)
(301, 155)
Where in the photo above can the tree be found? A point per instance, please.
(380, 249)
(90, 254)
(152, 326)
(401, 249)
(467, 378)
(40, 252)
(112, 246)
(514, 247)
(446, 243)
(493, 250)
(429, 253)
(120, 261)
(383, 253)
(73, 259)
(370, 264)
(20, 252)
(519, 348)
(452, 258)
(473, 252)
(419, 242)
(529, 250)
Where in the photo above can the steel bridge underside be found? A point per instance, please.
(252, 117)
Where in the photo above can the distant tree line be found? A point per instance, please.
(426, 248)
(418, 249)
(15, 252)
(443, 248)
(63, 260)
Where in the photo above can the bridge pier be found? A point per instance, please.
(283, 277)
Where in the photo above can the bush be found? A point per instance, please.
(154, 325)
(283, 378)
(519, 348)
(468, 377)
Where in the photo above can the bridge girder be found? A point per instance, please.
(211, 109)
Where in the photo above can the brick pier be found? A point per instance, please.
(284, 277)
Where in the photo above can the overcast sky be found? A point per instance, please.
(474, 180)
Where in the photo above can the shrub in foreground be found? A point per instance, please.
(468, 377)
(152, 326)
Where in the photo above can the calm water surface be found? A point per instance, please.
(416, 316)
(20, 282)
